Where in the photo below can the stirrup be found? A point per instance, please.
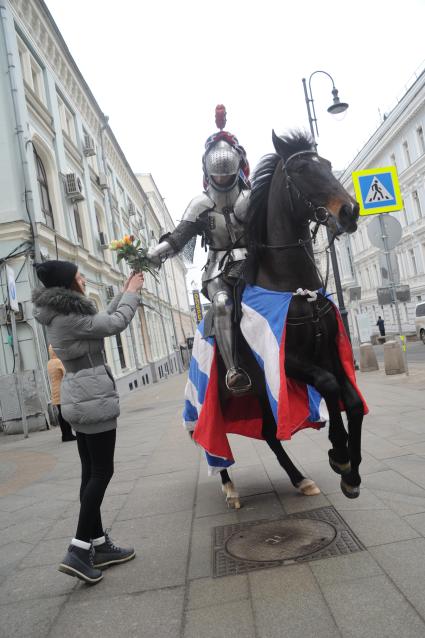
(238, 389)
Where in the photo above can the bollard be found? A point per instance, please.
(368, 360)
(393, 358)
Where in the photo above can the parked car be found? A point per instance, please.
(420, 321)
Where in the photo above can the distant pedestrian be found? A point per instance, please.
(56, 372)
(89, 399)
(381, 326)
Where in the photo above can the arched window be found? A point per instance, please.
(43, 188)
(78, 227)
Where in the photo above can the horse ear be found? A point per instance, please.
(279, 144)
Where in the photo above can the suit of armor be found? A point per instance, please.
(219, 214)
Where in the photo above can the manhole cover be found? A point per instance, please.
(305, 536)
(280, 540)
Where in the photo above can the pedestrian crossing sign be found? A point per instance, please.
(377, 190)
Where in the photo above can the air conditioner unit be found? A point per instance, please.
(110, 292)
(102, 181)
(73, 187)
(131, 208)
(88, 146)
(103, 240)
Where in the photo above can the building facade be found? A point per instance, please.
(400, 142)
(67, 191)
(173, 271)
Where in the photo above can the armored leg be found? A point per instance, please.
(237, 380)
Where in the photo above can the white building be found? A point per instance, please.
(66, 191)
(399, 141)
(173, 271)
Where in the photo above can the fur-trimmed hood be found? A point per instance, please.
(49, 302)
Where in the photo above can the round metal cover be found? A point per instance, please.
(280, 540)
(391, 227)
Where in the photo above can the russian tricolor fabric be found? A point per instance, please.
(295, 405)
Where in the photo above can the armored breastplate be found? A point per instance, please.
(223, 229)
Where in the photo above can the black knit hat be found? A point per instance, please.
(56, 273)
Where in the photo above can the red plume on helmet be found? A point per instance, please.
(220, 120)
(220, 116)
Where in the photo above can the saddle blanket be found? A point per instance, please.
(295, 405)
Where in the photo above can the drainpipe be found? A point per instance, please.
(28, 194)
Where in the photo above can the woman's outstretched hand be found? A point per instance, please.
(134, 283)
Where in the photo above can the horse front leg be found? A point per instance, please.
(229, 490)
(328, 386)
(350, 482)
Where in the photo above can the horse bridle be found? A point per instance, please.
(320, 214)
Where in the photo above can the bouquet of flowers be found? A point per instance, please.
(129, 250)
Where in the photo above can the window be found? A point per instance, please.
(43, 189)
(420, 310)
(413, 261)
(120, 351)
(368, 281)
(31, 71)
(417, 203)
(421, 140)
(406, 153)
(375, 270)
(392, 160)
(78, 227)
(37, 80)
(67, 120)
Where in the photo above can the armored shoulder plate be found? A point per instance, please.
(197, 206)
(241, 209)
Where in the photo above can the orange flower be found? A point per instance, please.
(127, 240)
(120, 244)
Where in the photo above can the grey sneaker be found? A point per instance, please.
(109, 554)
(78, 562)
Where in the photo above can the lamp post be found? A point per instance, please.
(336, 107)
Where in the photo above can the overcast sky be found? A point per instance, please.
(159, 68)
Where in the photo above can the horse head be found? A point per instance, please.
(314, 190)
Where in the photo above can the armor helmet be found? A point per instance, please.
(222, 161)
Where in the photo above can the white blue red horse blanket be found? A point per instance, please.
(295, 405)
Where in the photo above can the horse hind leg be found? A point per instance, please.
(304, 485)
(229, 490)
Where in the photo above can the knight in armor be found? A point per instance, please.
(219, 215)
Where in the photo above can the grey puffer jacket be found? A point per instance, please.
(89, 399)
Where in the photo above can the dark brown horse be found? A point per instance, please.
(292, 189)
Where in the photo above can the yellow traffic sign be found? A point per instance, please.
(377, 190)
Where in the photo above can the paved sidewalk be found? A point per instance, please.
(162, 501)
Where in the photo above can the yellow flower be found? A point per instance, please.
(113, 245)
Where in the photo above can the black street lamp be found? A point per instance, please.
(336, 107)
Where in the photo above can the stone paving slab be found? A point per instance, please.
(162, 501)
(287, 601)
(372, 608)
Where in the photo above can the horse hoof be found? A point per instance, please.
(339, 468)
(233, 503)
(308, 487)
(232, 496)
(350, 491)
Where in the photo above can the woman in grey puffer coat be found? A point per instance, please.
(90, 402)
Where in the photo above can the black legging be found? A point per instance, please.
(64, 425)
(97, 467)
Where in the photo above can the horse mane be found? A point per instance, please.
(294, 142)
